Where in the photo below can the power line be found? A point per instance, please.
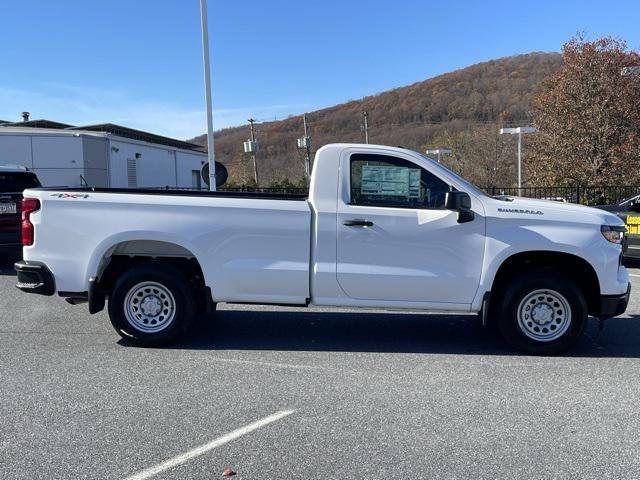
(415, 122)
(251, 146)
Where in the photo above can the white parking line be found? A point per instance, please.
(633, 275)
(161, 467)
(265, 364)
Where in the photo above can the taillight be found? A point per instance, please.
(29, 205)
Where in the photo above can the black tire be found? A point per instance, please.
(162, 287)
(560, 307)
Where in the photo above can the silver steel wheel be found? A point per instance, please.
(149, 307)
(544, 315)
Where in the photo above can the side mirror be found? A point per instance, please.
(459, 202)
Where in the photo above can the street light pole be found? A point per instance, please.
(439, 152)
(207, 95)
(519, 131)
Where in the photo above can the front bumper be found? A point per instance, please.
(35, 277)
(614, 305)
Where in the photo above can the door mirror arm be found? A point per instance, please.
(460, 202)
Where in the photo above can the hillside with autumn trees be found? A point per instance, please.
(463, 109)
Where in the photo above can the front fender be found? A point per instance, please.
(506, 239)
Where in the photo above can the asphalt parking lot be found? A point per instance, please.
(310, 393)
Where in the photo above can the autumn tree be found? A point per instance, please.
(588, 117)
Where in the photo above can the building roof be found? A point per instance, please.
(41, 123)
(111, 128)
(127, 132)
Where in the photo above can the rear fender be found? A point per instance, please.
(103, 251)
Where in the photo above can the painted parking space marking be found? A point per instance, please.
(202, 449)
(260, 363)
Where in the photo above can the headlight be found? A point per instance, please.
(613, 233)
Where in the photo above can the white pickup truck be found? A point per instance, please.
(382, 227)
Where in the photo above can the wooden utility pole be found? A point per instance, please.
(366, 126)
(307, 147)
(254, 151)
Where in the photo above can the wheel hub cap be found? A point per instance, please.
(149, 307)
(544, 315)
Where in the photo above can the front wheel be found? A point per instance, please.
(151, 305)
(543, 313)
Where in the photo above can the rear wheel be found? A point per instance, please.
(151, 304)
(542, 313)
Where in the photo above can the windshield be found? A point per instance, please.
(466, 185)
(17, 181)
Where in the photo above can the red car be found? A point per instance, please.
(13, 181)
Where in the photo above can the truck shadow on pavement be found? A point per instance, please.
(386, 332)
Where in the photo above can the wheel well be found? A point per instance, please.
(125, 255)
(575, 267)
(189, 267)
(118, 264)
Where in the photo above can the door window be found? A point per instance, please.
(386, 181)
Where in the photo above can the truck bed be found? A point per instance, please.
(252, 248)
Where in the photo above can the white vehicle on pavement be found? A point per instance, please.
(382, 227)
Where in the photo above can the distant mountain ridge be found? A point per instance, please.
(500, 91)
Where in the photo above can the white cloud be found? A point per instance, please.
(79, 105)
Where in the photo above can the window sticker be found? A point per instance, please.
(390, 181)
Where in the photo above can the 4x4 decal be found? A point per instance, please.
(70, 195)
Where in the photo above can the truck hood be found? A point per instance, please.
(514, 207)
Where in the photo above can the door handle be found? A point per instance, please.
(358, 223)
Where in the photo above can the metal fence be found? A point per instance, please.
(265, 189)
(242, 188)
(589, 195)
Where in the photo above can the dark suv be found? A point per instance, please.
(13, 181)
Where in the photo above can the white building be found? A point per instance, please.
(104, 155)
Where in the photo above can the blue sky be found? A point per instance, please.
(138, 62)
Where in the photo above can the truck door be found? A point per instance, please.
(396, 241)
